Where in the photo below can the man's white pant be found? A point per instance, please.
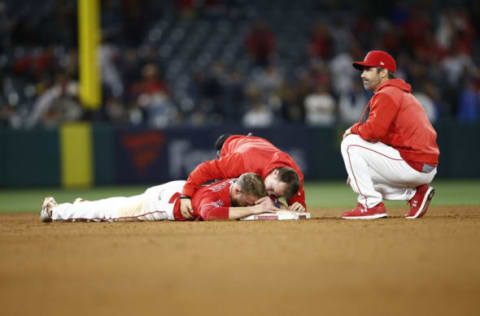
(153, 205)
(377, 172)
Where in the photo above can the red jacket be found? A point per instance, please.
(209, 202)
(398, 120)
(242, 154)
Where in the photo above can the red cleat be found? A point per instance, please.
(360, 212)
(420, 201)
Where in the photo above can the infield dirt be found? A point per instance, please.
(322, 266)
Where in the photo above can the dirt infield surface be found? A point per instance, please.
(322, 266)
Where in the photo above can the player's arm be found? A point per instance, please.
(211, 211)
(226, 167)
(297, 202)
(382, 112)
(230, 166)
(275, 200)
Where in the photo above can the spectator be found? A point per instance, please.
(352, 103)
(292, 110)
(427, 103)
(455, 67)
(57, 104)
(152, 98)
(260, 43)
(115, 111)
(341, 36)
(234, 97)
(321, 42)
(469, 105)
(109, 71)
(320, 107)
(455, 24)
(341, 66)
(258, 116)
(187, 9)
(213, 91)
(268, 80)
(9, 116)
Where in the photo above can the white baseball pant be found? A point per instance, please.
(153, 205)
(377, 171)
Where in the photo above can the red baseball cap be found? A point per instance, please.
(377, 58)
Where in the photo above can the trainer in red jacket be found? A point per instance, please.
(240, 154)
(393, 154)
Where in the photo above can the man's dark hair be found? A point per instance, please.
(291, 178)
(390, 74)
(219, 143)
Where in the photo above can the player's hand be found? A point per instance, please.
(296, 207)
(347, 132)
(265, 205)
(186, 208)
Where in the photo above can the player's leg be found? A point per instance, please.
(358, 169)
(417, 191)
(378, 171)
(403, 188)
(108, 209)
(157, 203)
(154, 204)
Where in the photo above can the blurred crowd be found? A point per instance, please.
(264, 79)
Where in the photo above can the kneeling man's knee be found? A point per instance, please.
(349, 140)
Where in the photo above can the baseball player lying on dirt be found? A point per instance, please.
(226, 199)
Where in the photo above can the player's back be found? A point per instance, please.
(242, 144)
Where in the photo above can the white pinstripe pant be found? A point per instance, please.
(153, 205)
(378, 172)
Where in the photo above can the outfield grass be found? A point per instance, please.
(319, 195)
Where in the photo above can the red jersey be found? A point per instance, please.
(242, 154)
(209, 202)
(398, 120)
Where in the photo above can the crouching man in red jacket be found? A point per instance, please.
(393, 154)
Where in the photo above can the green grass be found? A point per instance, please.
(319, 194)
(339, 194)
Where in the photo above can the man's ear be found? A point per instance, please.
(236, 190)
(384, 72)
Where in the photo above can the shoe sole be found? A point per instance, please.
(425, 203)
(376, 216)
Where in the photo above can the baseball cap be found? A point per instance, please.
(377, 58)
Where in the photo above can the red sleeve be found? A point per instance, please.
(212, 212)
(383, 110)
(230, 166)
(213, 202)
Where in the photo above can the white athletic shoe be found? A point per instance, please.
(46, 212)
